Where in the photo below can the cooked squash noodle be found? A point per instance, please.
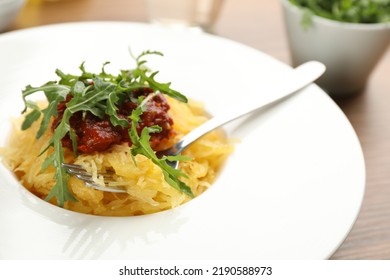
(147, 191)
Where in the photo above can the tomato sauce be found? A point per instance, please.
(95, 135)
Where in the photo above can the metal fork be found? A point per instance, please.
(299, 78)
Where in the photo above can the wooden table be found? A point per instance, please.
(260, 24)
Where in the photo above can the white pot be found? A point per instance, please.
(350, 51)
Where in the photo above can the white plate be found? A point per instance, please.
(291, 190)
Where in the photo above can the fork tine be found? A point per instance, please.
(84, 178)
(75, 169)
(88, 175)
(80, 173)
(73, 166)
(99, 187)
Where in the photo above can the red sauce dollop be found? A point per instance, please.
(95, 135)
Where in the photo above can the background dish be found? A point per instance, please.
(9, 9)
(298, 167)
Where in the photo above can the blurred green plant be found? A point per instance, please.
(355, 11)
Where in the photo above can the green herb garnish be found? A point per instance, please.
(141, 146)
(355, 11)
(99, 94)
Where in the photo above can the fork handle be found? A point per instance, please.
(300, 77)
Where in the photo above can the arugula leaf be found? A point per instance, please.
(112, 109)
(140, 72)
(144, 53)
(156, 86)
(54, 93)
(141, 145)
(32, 116)
(60, 189)
(48, 112)
(51, 90)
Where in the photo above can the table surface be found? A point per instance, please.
(259, 24)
